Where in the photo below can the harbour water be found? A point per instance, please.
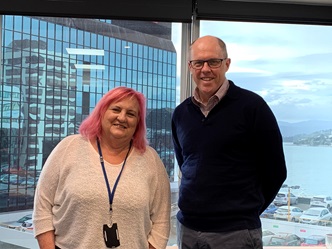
(309, 167)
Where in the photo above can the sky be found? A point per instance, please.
(289, 65)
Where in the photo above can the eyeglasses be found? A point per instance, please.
(213, 63)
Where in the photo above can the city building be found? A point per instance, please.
(55, 70)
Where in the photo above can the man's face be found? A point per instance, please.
(207, 79)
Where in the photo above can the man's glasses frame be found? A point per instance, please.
(212, 63)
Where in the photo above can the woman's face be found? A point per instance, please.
(120, 119)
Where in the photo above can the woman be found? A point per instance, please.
(105, 187)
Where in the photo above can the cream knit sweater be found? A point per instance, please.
(72, 199)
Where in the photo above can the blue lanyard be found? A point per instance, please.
(111, 193)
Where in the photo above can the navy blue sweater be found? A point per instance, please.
(232, 161)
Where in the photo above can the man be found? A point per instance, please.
(229, 149)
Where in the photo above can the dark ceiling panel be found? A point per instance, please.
(281, 11)
(266, 11)
(152, 10)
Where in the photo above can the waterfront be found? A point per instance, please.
(309, 167)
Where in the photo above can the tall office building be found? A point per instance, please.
(54, 71)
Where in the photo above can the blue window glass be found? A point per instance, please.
(150, 53)
(155, 54)
(112, 44)
(160, 68)
(7, 37)
(130, 49)
(134, 76)
(123, 61)
(26, 37)
(112, 59)
(140, 78)
(118, 60)
(40, 26)
(106, 45)
(73, 35)
(17, 36)
(135, 49)
(124, 47)
(129, 60)
(118, 46)
(87, 39)
(8, 22)
(66, 34)
(134, 63)
(58, 46)
(123, 75)
(64, 46)
(50, 30)
(106, 58)
(80, 37)
(145, 52)
(100, 60)
(117, 74)
(93, 40)
(112, 73)
(100, 42)
(129, 77)
(140, 51)
(92, 59)
(26, 25)
(145, 65)
(18, 23)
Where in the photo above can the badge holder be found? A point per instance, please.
(110, 232)
(111, 235)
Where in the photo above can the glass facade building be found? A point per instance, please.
(54, 71)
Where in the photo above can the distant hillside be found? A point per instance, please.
(305, 127)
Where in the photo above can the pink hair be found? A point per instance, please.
(91, 126)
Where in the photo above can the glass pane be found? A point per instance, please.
(290, 67)
(53, 73)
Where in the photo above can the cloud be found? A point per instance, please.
(289, 65)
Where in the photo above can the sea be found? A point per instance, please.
(310, 168)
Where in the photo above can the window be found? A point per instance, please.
(46, 91)
(289, 66)
(44, 108)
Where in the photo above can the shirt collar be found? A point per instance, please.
(219, 94)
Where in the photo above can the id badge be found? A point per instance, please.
(111, 235)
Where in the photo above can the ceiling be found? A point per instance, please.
(310, 2)
(282, 11)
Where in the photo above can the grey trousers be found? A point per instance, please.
(242, 239)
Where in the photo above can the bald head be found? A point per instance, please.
(208, 41)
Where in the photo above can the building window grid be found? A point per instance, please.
(148, 83)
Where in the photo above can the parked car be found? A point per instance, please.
(27, 225)
(321, 201)
(23, 179)
(30, 182)
(282, 239)
(33, 172)
(9, 178)
(19, 222)
(316, 215)
(12, 170)
(314, 240)
(283, 211)
(4, 168)
(269, 211)
(282, 199)
(266, 232)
